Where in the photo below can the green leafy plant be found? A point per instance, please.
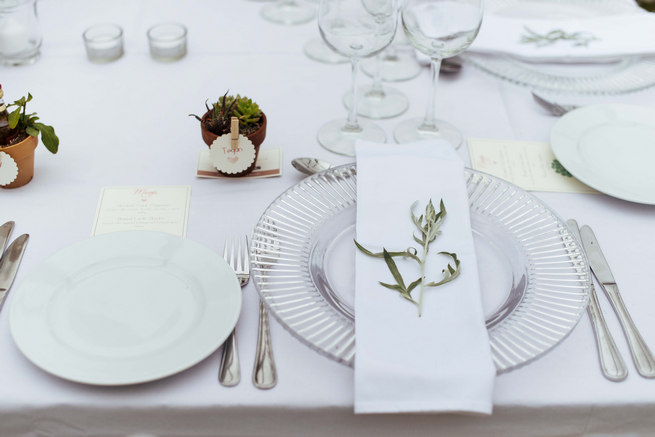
(24, 124)
(247, 111)
(428, 226)
(578, 39)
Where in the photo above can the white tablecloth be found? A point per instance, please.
(126, 123)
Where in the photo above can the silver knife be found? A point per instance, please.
(9, 264)
(5, 231)
(642, 356)
(611, 361)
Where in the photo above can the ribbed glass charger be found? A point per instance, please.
(534, 276)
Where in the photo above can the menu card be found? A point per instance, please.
(145, 208)
(529, 164)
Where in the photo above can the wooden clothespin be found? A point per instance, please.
(234, 133)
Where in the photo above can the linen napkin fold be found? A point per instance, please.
(441, 361)
(552, 40)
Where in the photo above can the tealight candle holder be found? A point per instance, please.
(167, 41)
(103, 42)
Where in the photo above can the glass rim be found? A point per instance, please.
(179, 27)
(104, 37)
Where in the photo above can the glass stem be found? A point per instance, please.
(351, 122)
(429, 121)
(376, 88)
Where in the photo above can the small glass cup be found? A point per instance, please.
(20, 34)
(103, 42)
(167, 41)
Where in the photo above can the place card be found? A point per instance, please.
(8, 169)
(143, 208)
(268, 164)
(529, 164)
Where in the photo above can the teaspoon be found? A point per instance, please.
(309, 166)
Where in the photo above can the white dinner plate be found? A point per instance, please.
(125, 308)
(610, 147)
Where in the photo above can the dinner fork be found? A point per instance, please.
(230, 372)
(554, 108)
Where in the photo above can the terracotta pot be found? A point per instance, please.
(23, 154)
(257, 138)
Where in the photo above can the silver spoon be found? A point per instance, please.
(309, 166)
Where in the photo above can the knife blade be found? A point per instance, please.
(9, 264)
(611, 361)
(5, 232)
(641, 355)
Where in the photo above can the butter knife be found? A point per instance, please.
(611, 361)
(5, 231)
(9, 264)
(642, 356)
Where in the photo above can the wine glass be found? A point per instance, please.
(289, 12)
(377, 100)
(354, 28)
(440, 29)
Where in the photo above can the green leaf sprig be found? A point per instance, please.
(21, 121)
(428, 226)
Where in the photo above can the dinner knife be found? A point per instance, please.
(5, 231)
(642, 356)
(9, 264)
(611, 361)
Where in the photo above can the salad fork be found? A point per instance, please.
(230, 372)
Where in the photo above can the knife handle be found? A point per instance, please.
(642, 356)
(264, 374)
(611, 362)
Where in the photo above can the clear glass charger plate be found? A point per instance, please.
(125, 308)
(612, 77)
(534, 276)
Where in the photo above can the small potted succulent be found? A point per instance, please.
(216, 121)
(22, 131)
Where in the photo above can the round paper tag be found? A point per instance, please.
(229, 160)
(8, 169)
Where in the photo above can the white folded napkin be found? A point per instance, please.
(441, 361)
(590, 39)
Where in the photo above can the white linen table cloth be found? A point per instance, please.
(127, 123)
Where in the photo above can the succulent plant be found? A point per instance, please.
(225, 108)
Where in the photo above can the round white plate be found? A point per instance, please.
(125, 308)
(610, 147)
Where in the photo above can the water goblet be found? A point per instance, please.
(354, 29)
(289, 12)
(439, 29)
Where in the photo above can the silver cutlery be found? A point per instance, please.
(555, 109)
(611, 361)
(230, 370)
(451, 65)
(309, 166)
(11, 259)
(642, 356)
(264, 374)
(5, 231)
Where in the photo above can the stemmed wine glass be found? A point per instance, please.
(354, 28)
(440, 29)
(289, 12)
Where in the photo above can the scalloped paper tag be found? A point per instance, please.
(230, 160)
(8, 169)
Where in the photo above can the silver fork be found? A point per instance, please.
(230, 371)
(554, 108)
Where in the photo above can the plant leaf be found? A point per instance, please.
(393, 268)
(14, 116)
(48, 136)
(32, 131)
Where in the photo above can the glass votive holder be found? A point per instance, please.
(167, 41)
(103, 42)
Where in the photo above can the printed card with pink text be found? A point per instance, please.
(145, 208)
